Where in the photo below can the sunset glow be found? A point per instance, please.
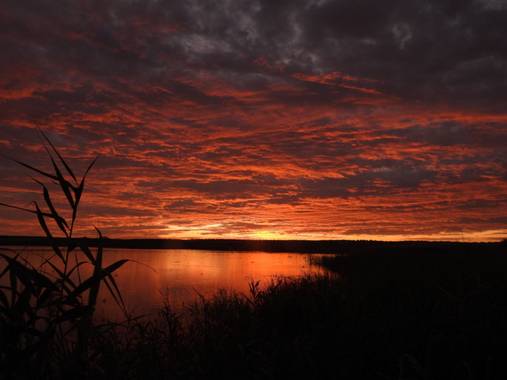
(252, 120)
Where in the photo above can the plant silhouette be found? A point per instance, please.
(46, 312)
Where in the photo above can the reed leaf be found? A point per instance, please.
(13, 284)
(45, 296)
(41, 172)
(67, 167)
(80, 188)
(27, 275)
(64, 184)
(89, 282)
(6, 269)
(49, 235)
(76, 267)
(94, 290)
(60, 221)
(24, 209)
(4, 302)
(22, 305)
(63, 278)
(88, 253)
(111, 285)
(30, 297)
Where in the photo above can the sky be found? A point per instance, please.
(263, 119)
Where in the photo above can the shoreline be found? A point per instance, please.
(358, 247)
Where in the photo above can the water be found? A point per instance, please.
(182, 276)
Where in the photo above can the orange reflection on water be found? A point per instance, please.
(181, 276)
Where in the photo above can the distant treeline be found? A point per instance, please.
(295, 246)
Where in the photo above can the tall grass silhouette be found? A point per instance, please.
(46, 312)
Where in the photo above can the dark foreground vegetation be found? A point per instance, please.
(378, 316)
(390, 320)
(379, 322)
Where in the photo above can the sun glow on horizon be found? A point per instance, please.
(269, 235)
(214, 231)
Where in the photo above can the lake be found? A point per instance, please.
(182, 276)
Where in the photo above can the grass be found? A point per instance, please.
(46, 312)
(320, 327)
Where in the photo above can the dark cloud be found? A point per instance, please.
(395, 175)
(430, 51)
(484, 134)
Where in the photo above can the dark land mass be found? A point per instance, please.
(295, 246)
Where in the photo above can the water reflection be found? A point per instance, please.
(181, 276)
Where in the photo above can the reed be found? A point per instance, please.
(46, 312)
(326, 328)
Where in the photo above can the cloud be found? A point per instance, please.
(310, 118)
